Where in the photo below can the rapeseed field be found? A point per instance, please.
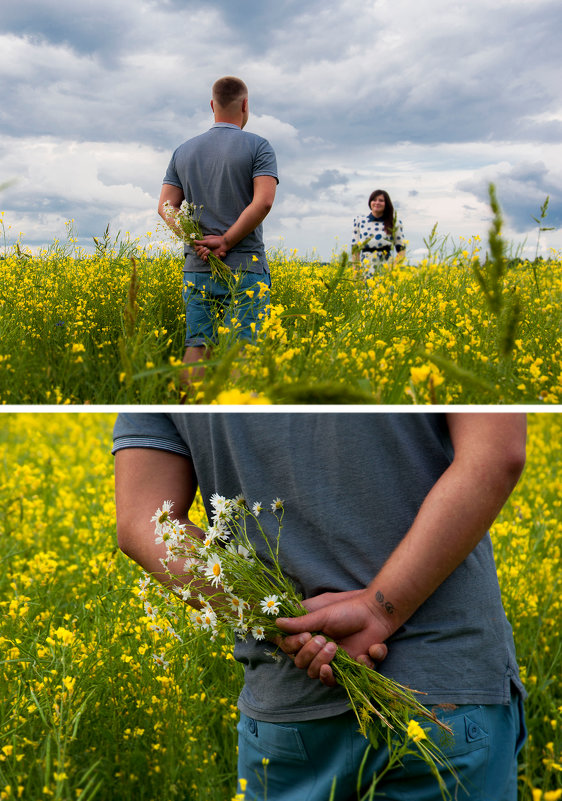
(109, 328)
(97, 704)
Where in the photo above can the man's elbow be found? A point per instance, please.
(125, 537)
(514, 458)
(265, 206)
(507, 467)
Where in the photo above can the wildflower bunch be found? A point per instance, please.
(184, 222)
(237, 589)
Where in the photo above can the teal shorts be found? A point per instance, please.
(210, 303)
(305, 757)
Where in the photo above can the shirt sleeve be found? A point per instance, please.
(265, 161)
(148, 430)
(172, 176)
(355, 238)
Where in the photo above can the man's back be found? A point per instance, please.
(216, 170)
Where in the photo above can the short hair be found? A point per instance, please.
(388, 214)
(227, 90)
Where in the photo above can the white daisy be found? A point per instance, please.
(206, 544)
(277, 505)
(183, 592)
(257, 508)
(242, 551)
(213, 570)
(209, 618)
(239, 550)
(162, 515)
(218, 531)
(191, 564)
(258, 632)
(150, 611)
(205, 618)
(160, 661)
(275, 656)
(270, 605)
(240, 502)
(235, 604)
(222, 507)
(144, 581)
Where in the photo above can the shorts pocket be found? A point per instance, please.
(467, 751)
(273, 739)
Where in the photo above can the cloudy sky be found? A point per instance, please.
(428, 99)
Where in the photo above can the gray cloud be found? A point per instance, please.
(521, 190)
(329, 178)
(97, 65)
(427, 100)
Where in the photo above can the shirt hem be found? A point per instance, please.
(257, 270)
(319, 711)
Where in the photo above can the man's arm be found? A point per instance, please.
(144, 479)
(172, 195)
(457, 512)
(262, 202)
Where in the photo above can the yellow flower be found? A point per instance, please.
(237, 397)
(415, 731)
(65, 636)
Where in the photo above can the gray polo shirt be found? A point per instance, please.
(352, 485)
(217, 170)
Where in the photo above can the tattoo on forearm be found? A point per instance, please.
(387, 605)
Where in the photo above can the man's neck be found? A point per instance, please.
(229, 120)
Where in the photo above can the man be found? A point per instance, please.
(385, 534)
(232, 174)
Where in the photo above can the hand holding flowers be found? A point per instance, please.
(209, 245)
(346, 617)
(184, 223)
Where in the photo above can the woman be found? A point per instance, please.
(375, 234)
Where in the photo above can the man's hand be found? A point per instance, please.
(346, 617)
(210, 244)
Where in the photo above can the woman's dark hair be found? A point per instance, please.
(388, 214)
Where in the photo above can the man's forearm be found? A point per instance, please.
(170, 200)
(247, 222)
(167, 214)
(454, 517)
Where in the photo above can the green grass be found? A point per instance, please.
(420, 335)
(460, 327)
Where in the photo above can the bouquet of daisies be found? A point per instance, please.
(184, 222)
(244, 593)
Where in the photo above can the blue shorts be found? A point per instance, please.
(210, 303)
(305, 757)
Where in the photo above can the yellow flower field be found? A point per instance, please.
(87, 709)
(108, 328)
